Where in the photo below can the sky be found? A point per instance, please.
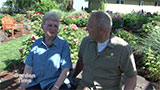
(77, 4)
(1, 2)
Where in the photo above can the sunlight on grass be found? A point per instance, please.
(9, 51)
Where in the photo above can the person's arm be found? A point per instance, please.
(61, 79)
(78, 68)
(130, 83)
(27, 70)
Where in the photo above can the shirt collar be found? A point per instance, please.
(55, 42)
(110, 43)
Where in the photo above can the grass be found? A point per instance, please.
(9, 53)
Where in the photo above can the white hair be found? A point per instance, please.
(50, 16)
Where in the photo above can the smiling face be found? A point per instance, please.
(50, 28)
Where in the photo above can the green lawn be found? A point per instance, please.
(9, 52)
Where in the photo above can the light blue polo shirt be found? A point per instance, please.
(48, 62)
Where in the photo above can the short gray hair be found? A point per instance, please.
(50, 16)
(102, 19)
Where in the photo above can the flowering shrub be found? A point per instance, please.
(20, 20)
(36, 16)
(37, 12)
(117, 21)
(45, 6)
(134, 21)
(149, 28)
(71, 33)
(129, 37)
(150, 46)
(78, 18)
(74, 36)
(152, 64)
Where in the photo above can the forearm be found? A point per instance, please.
(61, 78)
(130, 83)
(27, 70)
(78, 68)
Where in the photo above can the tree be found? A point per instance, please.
(65, 5)
(96, 5)
(16, 5)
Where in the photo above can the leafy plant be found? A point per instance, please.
(74, 36)
(152, 64)
(71, 33)
(64, 4)
(148, 28)
(61, 13)
(134, 21)
(78, 18)
(117, 21)
(152, 41)
(129, 37)
(36, 17)
(150, 46)
(45, 6)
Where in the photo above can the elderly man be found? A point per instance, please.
(104, 58)
(49, 59)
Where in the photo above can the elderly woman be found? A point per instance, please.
(49, 59)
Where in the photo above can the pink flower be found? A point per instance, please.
(73, 17)
(83, 15)
(33, 38)
(37, 13)
(75, 41)
(74, 27)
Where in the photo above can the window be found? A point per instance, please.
(141, 3)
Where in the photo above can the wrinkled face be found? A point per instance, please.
(92, 29)
(50, 28)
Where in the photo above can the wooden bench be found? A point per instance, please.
(9, 23)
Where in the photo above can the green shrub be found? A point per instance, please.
(117, 21)
(148, 28)
(36, 17)
(129, 37)
(74, 36)
(134, 21)
(150, 46)
(152, 41)
(63, 4)
(71, 33)
(60, 13)
(152, 64)
(45, 6)
(79, 18)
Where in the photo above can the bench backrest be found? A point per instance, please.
(7, 22)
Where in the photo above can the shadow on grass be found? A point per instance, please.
(14, 64)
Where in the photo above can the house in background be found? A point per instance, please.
(135, 2)
(128, 6)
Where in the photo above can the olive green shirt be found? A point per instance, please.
(104, 70)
